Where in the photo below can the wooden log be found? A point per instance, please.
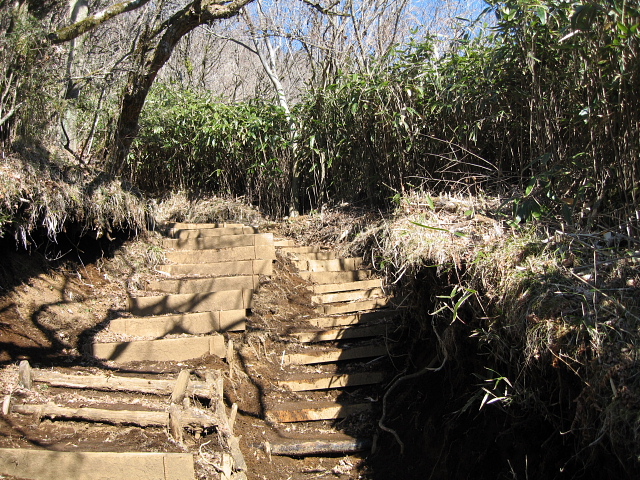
(292, 447)
(114, 383)
(117, 417)
(24, 375)
(180, 388)
(175, 424)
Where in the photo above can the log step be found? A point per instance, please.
(201, 226)
(242, 267)
(340, 333)
(335, 265)
(326, 381)
(232, 254)
(222, 241)
(346, 286)
(325, 255)
(191, 302)
(289, 412)
(348, 296)
(353, 319)
(53, 465)
(335, 277)
(190, 233)
(300, 249)
(357, 306)
(165, 350)
(189, 323)
(117, 383)
(321, 446)
(284, 243)
(311, 357)
(202, 285)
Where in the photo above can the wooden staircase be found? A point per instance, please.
(211, 274)
(335, 365)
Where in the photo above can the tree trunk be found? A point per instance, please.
(152, 58)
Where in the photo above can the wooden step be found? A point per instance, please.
(165, 350)
(335, 265)
(335, 277)
(338, 308)
(348, 296)
(243, 267)
(341, 333)
(222, 241)
(201, 226)
(232, 254)
(189, 233)
(203, 285)
(323, 445)
(310, 411)
(284, 243)
(314, 256)
(353, 319)
(54, 465)
(313, 356)
(191, 302)
(117, 383)
(347, 286)
(325, 381)
(300, 249)
(189, 323)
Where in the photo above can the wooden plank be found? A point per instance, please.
(201, 226)
(346, 286)
(200, 323)
(115, 383)
(53, 465)
(311, 357)
(335, 265)
(243, 267)
(353, 319)
(232, 254)
(328, 255)
(165, 350)
(141, 418)
(290, 412)
(294, 447)
(335, 277)
(191, 302)
(348, 296)
(301, 249)
(338, 308)
(340, 333)
(223, 241)
(184, 234)
(325, 381)
(203, 285)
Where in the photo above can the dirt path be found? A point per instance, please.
(50, 317)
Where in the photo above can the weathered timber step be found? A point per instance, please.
(300, 249)
(231, 254)
(189, 233)
(284, 243)
(191, 302)
(190, 323)
(314, 256)
(353, 319)
(339, 444)
(53, 465)
(201, 285)
(348, 296)
(289, 412)
(242, 267)
(335, 277)
(165, 350)
(325, 381)
(313, 356)
(338, 308)
(222, 241)
(335, 265)
(340, 333)
(117, 383)
(140, 418)
(201, 226)
(346, 286)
